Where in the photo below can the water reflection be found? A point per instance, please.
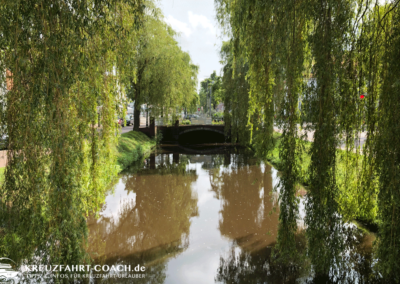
(258, 266)
(205, 218)
(146, 219)
(249, 211)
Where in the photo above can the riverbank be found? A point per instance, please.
(350, 198)
(2, 175)
(131, 147)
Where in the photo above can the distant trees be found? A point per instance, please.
(214, 83)
(165, 76)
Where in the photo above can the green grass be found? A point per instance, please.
(354, 205)
(132, 146)
(274, 159)
(2, 175)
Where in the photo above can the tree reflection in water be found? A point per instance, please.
(151, 227)
(250, 216)
(152, 224)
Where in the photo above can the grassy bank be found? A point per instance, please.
(274, 159)
(132, 146)
(354, 204)
(2, 175)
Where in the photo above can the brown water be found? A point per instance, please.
(199, 218)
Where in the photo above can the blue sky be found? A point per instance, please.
(199, 31)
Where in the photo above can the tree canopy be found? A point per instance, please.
(68, 61)
(166, 76)
(214, 84)
(338, 60)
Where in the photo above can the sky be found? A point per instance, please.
(199, 32)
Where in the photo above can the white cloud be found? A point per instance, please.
(200, 20)
(179, 26)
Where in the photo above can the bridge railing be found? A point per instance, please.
(160, 121)
(201, 121)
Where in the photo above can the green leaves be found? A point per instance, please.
(59, 56)
(322, 55)
(165, 75)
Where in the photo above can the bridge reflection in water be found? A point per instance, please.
(201, 216)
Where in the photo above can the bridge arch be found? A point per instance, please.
(201, 135)
(201, 128)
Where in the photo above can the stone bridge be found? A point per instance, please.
(188, 134)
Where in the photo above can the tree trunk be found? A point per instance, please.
(136, 118)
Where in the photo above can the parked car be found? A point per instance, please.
(129, 120)
(190, 116)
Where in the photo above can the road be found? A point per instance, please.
(130, 127)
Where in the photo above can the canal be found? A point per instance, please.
(206, 216)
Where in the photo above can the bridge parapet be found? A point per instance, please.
(192, 134)
(189, 128)
(193, 121)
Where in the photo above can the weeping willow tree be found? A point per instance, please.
(166, 76)
(250, 25)
(291, 28)
(235, 91)
(388, 149)
(64, 61)
(270, 36)
(331, 21)
(347, 53)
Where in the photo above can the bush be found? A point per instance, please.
(218, 115)
(159, 138)
(186, 122)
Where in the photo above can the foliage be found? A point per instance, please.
(63, 61)
(165, 77)
(158, 137)
(388, 152)
(186, 122)
(214, 84)
(68, 62)
(236, 95)
(217, 122)
(325, 56)
(194, 103)
(2, 175)
(218, 115)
